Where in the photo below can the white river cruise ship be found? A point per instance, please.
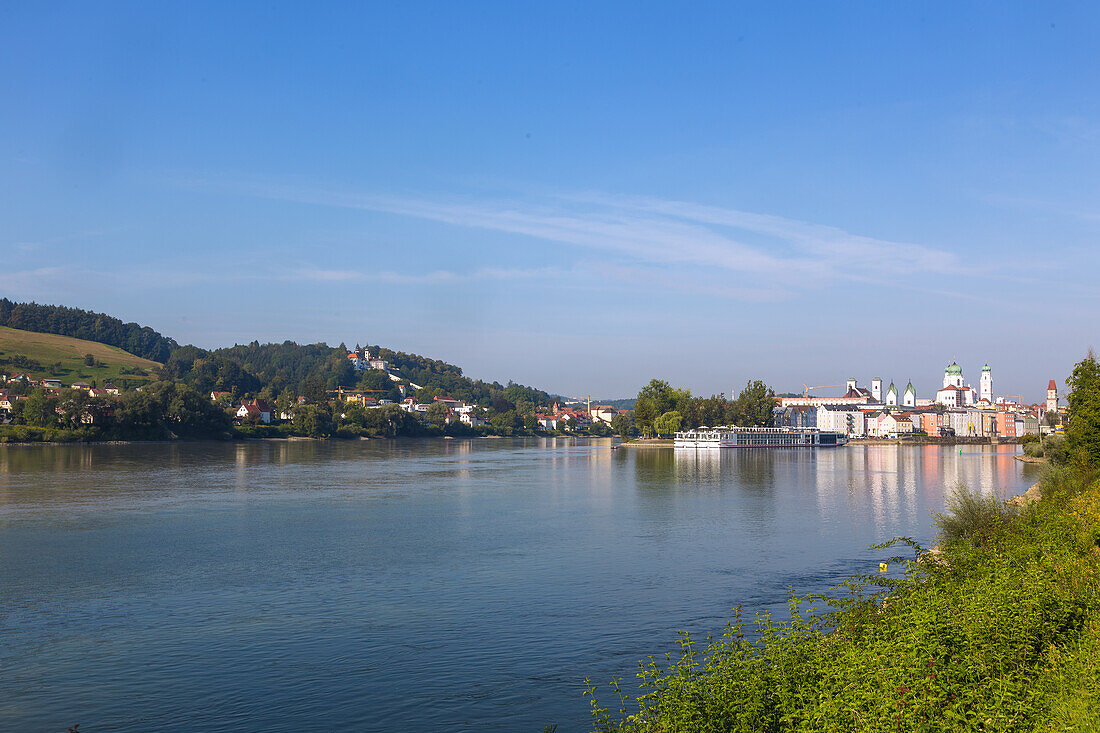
(725, 437)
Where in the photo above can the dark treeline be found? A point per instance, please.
(661, 409)
(77, 323)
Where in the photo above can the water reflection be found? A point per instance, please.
(413, 585)
(885, 484)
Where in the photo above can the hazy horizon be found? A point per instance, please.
(573, 197)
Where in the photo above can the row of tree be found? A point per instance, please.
(158, 411)
(661, 409)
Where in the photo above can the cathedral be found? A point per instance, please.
(954, 394)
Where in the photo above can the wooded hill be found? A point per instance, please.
(253, 369)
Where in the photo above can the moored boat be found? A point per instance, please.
(734, 437)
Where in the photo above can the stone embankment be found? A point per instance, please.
(1022, 500)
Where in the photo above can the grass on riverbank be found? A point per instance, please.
(998, 632)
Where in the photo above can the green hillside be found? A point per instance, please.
(46, 355)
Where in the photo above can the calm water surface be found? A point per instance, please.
(420, 585)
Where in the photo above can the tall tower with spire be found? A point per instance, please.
(909, 397)
(985, 386)
(1052, 397)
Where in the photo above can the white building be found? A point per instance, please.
(847, 420)
(876, 389)
(985, 386)
(602, 413)
(909, 398)
(1052, 397)
(953, 393)
(359, 359)
(892, 396)
(472, 419)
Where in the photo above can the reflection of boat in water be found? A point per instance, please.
(725, 437)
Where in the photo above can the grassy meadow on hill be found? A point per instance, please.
(47, 355)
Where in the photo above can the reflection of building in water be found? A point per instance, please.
(907, 482)
(699, 465)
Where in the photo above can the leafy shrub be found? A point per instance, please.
(1034, 448)
(972, 515)
(1055, 450)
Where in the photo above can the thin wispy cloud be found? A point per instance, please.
(655, 231)
(428, 278)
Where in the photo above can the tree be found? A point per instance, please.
(313, 389)
(314, 421)
(1083, 430)
(662, 396)
(40, 410)
(668, 423)
(506, 422)
(623, 425)
(89, 360)
(437, 414)
(72, 406)
(754, 405)
(645, 412)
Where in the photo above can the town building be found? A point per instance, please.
(795, 416)
(909, 398)
(1052, 397)
(985, 386)
(841, 419)
(255, 411)
(602, 413)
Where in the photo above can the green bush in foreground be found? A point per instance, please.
(998, 632)
(970, 514)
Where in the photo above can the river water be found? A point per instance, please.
(413, 585)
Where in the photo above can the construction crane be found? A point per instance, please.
(806, 388)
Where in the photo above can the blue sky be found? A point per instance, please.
(580, 196)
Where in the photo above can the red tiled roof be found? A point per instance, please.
(1052, 385)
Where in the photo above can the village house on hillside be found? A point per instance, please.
(254, 411)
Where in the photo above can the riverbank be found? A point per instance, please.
(1001, 633)
(648, 443)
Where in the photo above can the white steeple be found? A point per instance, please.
(985, 386)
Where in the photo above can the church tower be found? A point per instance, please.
(985, 386)
(1052, 397)
(876, 389)
(892, 396)
(909, 399)
(953, 375)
